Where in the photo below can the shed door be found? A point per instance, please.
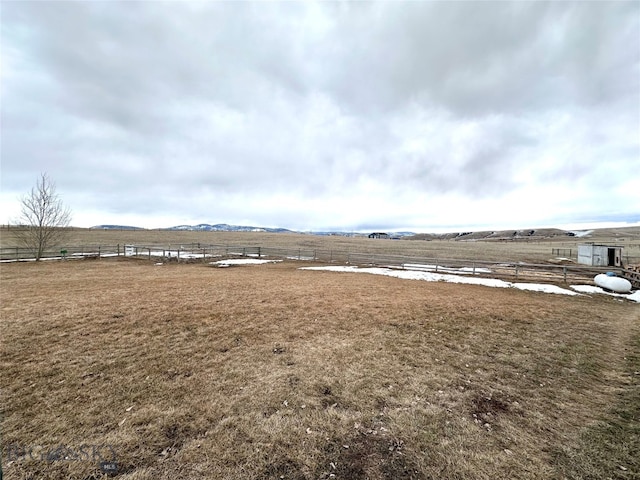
(612, 257)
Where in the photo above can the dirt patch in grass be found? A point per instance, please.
(364, 454)
(185, 371)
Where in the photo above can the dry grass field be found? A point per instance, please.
(270, 372)
(532, 251)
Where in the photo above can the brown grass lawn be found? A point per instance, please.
(270, 372)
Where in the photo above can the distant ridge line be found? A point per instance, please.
(515, 234)
(224, 227)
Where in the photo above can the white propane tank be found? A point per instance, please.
(613, 283)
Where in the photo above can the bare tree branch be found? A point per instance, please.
(43, 216)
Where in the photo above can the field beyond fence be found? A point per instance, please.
(199, 252)
(529, 250)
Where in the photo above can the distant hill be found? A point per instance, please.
(223, 227)
(115, 227)
(393, 235)
(498, 235)
(532, 234)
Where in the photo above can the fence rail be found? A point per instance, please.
(565, 252)
(198, 252)
(81, 251)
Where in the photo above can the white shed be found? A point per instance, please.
(600, 255)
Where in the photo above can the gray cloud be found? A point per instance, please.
(315, 114)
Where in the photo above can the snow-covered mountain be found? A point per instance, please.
(223, 227)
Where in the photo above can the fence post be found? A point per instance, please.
(474, 268)
(149, 253)
(516, 271)
(259, 256)
(564, 272)
(178, 254)
(436, 266)
(330, 256)
(298, 254)
(314, 256)
(17, 255)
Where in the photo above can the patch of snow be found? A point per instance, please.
(539, 287)
(587, 289)
(438, 277)
(472, 269)
(69, 257)
(242, 261)
(635, 296)
(143, 252)
(171, 253)
(429, 268)
(43, 259)
(581, 233)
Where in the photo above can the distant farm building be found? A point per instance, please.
(378, 235)
(600, 255)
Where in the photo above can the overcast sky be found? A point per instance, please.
(428, 116)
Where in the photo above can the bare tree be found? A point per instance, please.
(43, 217)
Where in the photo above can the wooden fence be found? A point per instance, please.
(197, 252)
(565, 252)
(81, 251)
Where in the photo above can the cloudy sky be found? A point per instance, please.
(429, 116)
